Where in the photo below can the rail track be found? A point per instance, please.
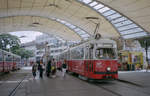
(13, 92)
(9, 79)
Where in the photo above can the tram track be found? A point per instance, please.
(12, 82)
(98, 85)
(131, 83)
(106, 89)
(13, 92)
(108, 86)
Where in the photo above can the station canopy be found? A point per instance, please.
(77, 19)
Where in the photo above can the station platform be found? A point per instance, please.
(73, 86)
(141, 78)
(59, 86)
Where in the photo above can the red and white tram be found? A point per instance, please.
(95, 59)
(9, 61)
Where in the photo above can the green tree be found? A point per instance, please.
(24, 53)
(14, 45)
(9, 40)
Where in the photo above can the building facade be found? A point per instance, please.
(48, 46)
(32, 47)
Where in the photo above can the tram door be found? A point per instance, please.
(88, 62)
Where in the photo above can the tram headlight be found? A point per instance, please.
(108, 68)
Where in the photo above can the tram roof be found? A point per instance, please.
(9, 53)
(77, 19)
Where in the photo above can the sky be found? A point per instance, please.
(26, 36)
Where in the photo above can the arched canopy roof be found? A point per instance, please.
(59, 16)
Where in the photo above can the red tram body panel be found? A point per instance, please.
(94, 69)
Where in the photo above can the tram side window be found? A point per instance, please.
(68, 55)
(87, 53)
(105, 53)
(65, 55)
(9, 58)
(1, 56)
(18, 59)
(77, 53)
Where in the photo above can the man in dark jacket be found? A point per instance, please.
(48, 68)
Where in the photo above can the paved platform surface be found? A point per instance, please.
(73, 86)
(138, 77)
(59, 86)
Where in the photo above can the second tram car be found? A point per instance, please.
(95, 59)
(9, 61)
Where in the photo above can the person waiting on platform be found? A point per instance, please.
(48, 68)
(34, 68)
(53, 68)
(64, 67)
(41, 68)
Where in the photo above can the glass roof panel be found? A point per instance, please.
(59, 38)
(77, 29)
(62, 21)
(93, 3)
(86, 1)
(72, 26)
(135, 35)
(113, 16)
(98, 6)
(103, 9)
(85, 38)
(58, 20)
(118, 20)
(85, 35)
(109, 12)
(68, 24)
(131, 31)
(127, 27)
(81, 32)
(123, 23)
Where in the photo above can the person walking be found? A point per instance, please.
(53, 68)
(41, 69)
(38, 66)
(34, 68)
(48, 68)
(64, 67)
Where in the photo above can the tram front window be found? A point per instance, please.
(105, 53)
